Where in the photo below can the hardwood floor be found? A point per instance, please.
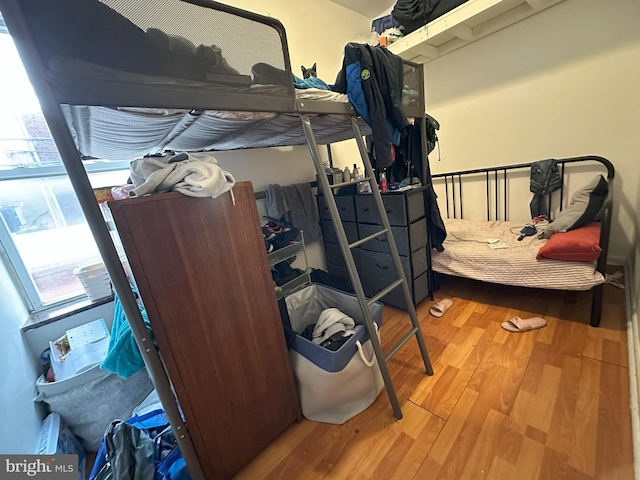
(549, 404)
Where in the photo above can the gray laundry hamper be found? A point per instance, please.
(333, 386)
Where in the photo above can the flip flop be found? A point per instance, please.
(439, 308)
(517, 324)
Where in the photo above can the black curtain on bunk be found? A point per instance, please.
(411, 149)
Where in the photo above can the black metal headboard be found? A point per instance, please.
(496, 180)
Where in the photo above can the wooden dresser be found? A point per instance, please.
(200, 265)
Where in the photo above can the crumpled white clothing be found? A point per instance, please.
(192, 174)
(330, 322)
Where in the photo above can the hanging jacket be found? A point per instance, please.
(545, 178)
(372, 78)
(412, 149)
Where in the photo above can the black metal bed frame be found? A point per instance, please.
(496, 182)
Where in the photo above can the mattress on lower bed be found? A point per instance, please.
(467, 254)
(127, 133)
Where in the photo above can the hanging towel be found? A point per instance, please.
(302, 210)
(276, 203)
(193, 174)
(123, 357)
(296, 200)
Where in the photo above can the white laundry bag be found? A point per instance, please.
(333, 386)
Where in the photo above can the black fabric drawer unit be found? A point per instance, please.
(408, 239)
(406, 214)
(381, 265)
(373, 285)
(401, 209)
(329, 233)
(345, 207)
(335, 257)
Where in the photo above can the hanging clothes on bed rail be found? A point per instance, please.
(545, 178)
(412, 150)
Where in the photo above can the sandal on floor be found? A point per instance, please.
(517, 324)
(439, 308)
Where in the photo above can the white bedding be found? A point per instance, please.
(467, 254)
(127, 132)
(306, 94)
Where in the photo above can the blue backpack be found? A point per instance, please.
(141, 448)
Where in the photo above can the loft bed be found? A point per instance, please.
(561, 265)
(158, 86)
(118, 79)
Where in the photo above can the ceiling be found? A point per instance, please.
(368, 8)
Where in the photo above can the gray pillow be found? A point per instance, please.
(584, 208)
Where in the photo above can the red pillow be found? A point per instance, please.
(579, 245)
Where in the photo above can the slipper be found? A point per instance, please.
(439, 308)
(517, 324)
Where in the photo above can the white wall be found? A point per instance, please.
(317, 32)
(562, 83)
(20, 418)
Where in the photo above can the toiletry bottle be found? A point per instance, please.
(346, 174)
(383, 182)
(357, 176)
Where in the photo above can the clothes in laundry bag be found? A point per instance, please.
(332, 321)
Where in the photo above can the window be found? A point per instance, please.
(43, 231)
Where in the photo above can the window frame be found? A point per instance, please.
(8, 251)
(15, 264)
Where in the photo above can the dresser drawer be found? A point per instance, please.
(408, 239)
(329, 233)
(419, 262)
(335, 257)
(373, 285)
(338, 271)
(345, 205)
(419, 290)
(401, 209)
(380, 265)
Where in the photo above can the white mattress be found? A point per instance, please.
(467, 254)
(127, 133)
(306, 94)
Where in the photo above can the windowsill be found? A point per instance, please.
(59, 312)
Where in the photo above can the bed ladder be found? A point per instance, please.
(346, 248)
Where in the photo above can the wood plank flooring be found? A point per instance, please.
(549, 404)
